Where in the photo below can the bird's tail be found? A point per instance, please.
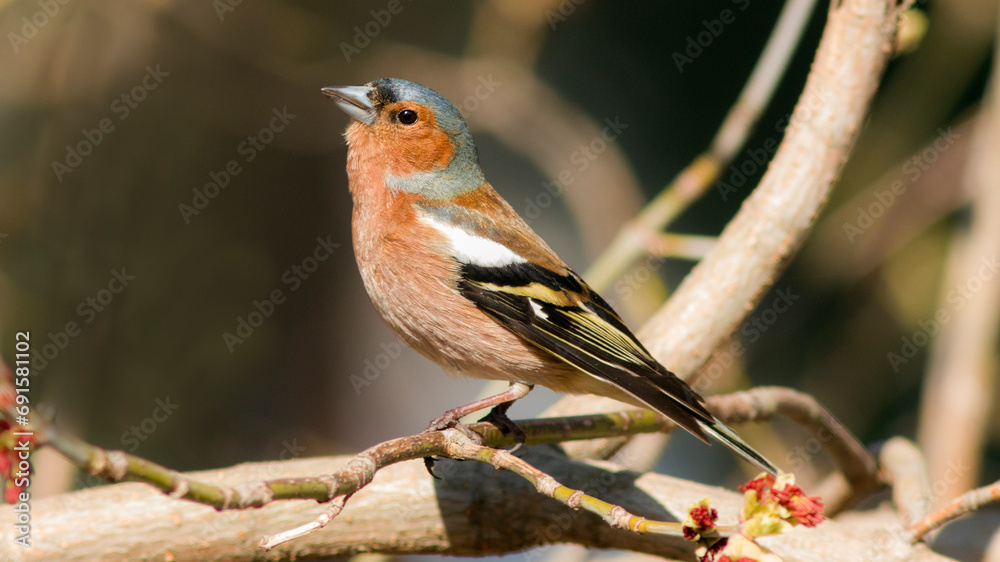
(728, 437)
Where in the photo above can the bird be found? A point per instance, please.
(461, 278)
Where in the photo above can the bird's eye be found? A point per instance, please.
(407, 117)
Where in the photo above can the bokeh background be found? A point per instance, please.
(116, 119)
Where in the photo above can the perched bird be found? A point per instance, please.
(461, 278)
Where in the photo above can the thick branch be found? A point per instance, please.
(473, 511)
(956, 412)
(754, 248)
(360, 471)
(906, 471)
(755, 405)
(700, 174)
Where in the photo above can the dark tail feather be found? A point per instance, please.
(694, 421)
(729, 438)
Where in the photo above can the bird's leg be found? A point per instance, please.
(517, 390)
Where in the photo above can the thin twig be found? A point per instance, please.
(336, 506)
(721, 291)
(966, 503)
(755, 246)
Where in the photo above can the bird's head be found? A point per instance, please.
(410, 136)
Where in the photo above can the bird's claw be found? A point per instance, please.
(498, 417)
(429, 465)
(449, 420)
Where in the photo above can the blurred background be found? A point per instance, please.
(175, 220)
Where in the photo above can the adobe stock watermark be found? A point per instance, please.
(376, 366)
(765, 317)
(484, 89)
(629, 283)
(292, 279)
(799, 457)
(290, 450)
(757, 158)
(228, 520)
(549, 536)
(31, 25)
(914, 168)
(87, 311)
(959, 296)
(136, 434)
(121, 107)
(559, 523)
(365, 34)
(581, 159)
(225, 7)
(249, 149)
(696, 44)
(564, 10)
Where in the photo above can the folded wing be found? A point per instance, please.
(561, 315)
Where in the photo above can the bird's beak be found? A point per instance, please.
(354, 101)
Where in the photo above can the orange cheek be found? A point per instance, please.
(425, 150)
(401, 151)
(421, 148)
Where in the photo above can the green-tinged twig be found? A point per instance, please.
(858, 466)
(458, 446)
(613, 515)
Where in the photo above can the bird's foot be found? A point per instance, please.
(450, 420)
(498, 417)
